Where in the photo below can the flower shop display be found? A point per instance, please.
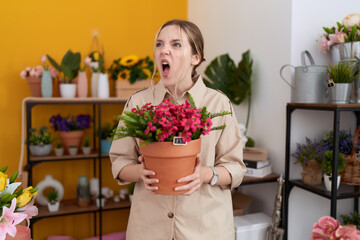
(310, 155)
(327, 164)
(341, 77)
(129, 74)
(86, 148)
(16, 205)
(329, 228)
(169, 137)
(53, 201)
(40, 143)
(68, 71)
(71, 128)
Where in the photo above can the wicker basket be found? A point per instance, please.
(351, 173)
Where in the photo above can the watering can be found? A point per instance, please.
(310, 81)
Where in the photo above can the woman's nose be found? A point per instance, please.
(165, 49)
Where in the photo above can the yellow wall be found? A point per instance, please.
(30, 28)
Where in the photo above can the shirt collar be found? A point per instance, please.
(197, 91)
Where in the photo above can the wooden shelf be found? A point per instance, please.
(272, 177)
(60, 100)
(80, 156)
(69, 207)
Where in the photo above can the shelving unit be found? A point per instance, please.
(70, 207)
(344, 191)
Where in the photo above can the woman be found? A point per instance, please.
(205, 210)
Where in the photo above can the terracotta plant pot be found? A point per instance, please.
(35, 86)
(311, 173)
(170, 163)
(71, 138)
(22, 233)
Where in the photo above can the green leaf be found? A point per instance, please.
(54, 63)
(328, 30)
(14, 176)
(68, 72)
(3, 169)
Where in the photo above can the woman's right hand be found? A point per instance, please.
(144, 175)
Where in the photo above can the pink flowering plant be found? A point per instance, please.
(347, 31)
(329, 228)
(16, 204)
(163, 122)
(39, 70)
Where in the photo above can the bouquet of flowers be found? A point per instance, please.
(131, 68)
(16, 204)
(345, 141)
(70, 123)
(329, 228)
(97, 62)
(38, 70)
(347, 31)
(163, 122)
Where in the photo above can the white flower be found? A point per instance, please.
(350, 20)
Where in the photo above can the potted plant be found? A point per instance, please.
(40, 143)
(53, 201)
(71, 128)
(234, 81)
(59, 150)
(341, 76)
(326, 165)
(97, 69)
(345, 141)
(73, 150)
(106, 133)
(100, 199)
(86, 148)
(129, 72)
(68, 71)
(329, 228)
(351, 219)
(310, 155)
(152, 124)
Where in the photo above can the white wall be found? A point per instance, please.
(276, 32)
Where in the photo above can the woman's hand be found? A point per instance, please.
(144, 175)
(195, 180)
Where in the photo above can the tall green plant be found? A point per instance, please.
(343, 72)
(69, 67)
(234, 81)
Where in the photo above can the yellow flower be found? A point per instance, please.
(25, 197)
(96, 56)
(3, 178)
(123, 75)
(147, 72)
(129, 60)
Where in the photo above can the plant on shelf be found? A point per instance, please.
(16, 205)
(234, 81)
(343, 72)
(326, 163)
(351, 219)
(73, 149)
(59, 150)
(86, 148)
(69, 67)
(40, 143)
(53, 202)
(344, 32)
(97, 61)
(345, 141)
(329, 228)
(106, 137)
(131, 68)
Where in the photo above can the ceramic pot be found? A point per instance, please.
(105, 146)
(170, 162)
(94, 84)
(22, 233)
(38, 150)
(48, 182)
(103, 86)
(327, 182)
(71, 138)
(35, 86)
(73, 150)
(67, 90)
(311, 173)
(59, 151)
(82, 85)
(103, 201)
(86, 150)
(46, 84)
(53, 207)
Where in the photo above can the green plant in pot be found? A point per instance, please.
(59, 150)
(234, 81)
(326, 165)
(40, 143)
(86, 148)
(106, 137)
(351, 219)
(53, 202)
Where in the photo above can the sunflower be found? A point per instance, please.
(129, 60)
(123, 75)
(147, 72)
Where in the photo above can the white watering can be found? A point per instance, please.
(310, 81)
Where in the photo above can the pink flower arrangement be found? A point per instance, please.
(329, 228)
(347, 31)
(38, 70)
(163, 122)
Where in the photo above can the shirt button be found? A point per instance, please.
(170, 215)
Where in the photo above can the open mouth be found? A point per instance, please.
(165, 68)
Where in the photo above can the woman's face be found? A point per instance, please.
(173, 57)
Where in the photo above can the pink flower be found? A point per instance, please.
(43, 58)
(347, 232)
(328, 228)
(9, 220)
(53, 72)
(150, 128)
(23, 74)
(30, 210)
(87, 61)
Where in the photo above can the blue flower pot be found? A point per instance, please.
(46, 84)
(105, 146)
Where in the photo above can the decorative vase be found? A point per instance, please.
(38, 150)
(82, 85)
(311, 173)
(94, 187)
(105, 146)
(46, 84)
(340, 93)
(94, 84)
(124, 89)
(22, 233)
(48, 182)
(103, 86)
(170, 163)
(35, 86)
(53, 207)
(83, 191)
(67, 90)
(71, 138)
(327, 181)
(103, 201)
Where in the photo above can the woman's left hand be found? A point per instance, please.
(194, 179)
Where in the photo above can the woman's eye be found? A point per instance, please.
(159, 44)
(177, 45)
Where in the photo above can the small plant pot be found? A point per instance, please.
(40, 150)
(59, 151)
(53, 207)
(327, 182)
(103, 201)
(73, 151)
(86, 150)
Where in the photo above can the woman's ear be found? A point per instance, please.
(195, 60)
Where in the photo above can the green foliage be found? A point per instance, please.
(326, 163)
(43, 137)
(52, 196)
(343, 72)
(352, 35)
(351, 219)
(250, 142)
(107, 130)
(87, 142)
(59, 145)
(69, 67)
